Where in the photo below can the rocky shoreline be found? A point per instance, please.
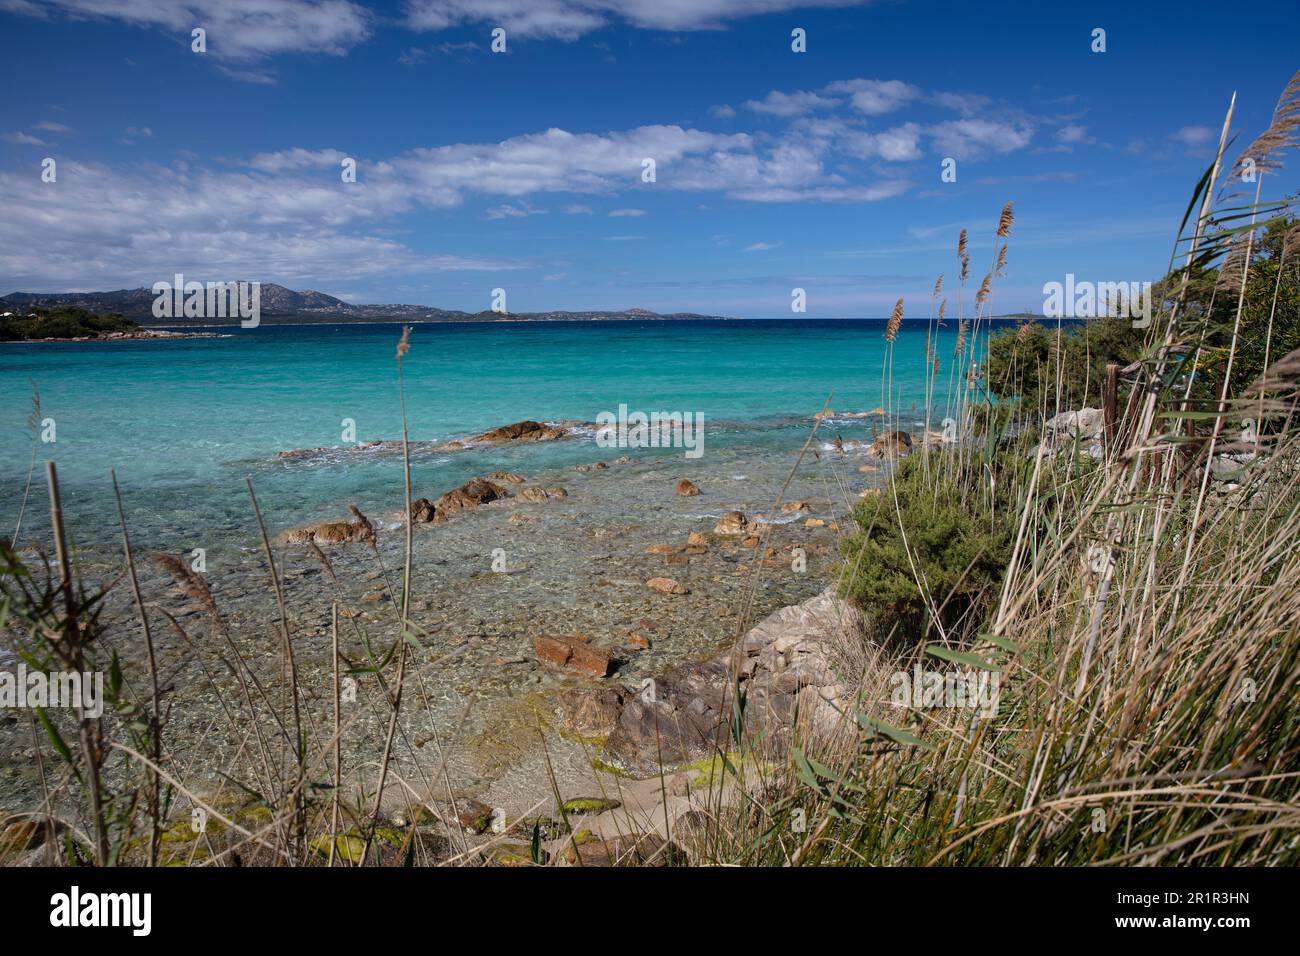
(542, 613)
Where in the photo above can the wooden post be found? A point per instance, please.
(1108, 407)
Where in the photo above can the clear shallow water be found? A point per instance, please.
(183, 422)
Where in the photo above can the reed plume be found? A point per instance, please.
(983, 293)
(895, 321)
(1005, 221)
(1000, 268)
(943, 307)
(938, 285)
(191, 585)
(961, 255)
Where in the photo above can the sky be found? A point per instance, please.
(524, 170)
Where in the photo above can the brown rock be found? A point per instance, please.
(891, 445)
(666, 586)
(557, 492)
(331, 532)
(633, 849)
(478, 491)
(525, 431)
(733, 522)
(571, 652)
(533, 494)
(423, 511)
(638, 640)
(677, 559)
(697, 539)
(590, 713)
(661, 549)
(814, 523)
(790, 506)
(473, 815)
(687, 488)
(508, 477)
(751, 542)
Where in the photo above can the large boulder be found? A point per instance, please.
(785, 665)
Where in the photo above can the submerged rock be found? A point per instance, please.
(573, 653)
(733, 522)
(687, 488)
(666, 586)
(590, 713)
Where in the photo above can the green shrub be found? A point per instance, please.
(958, 546)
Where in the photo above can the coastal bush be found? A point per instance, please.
(924, 549)
(1033, 361)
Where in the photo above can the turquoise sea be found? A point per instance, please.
(184, 422)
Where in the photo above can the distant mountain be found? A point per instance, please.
(282, 305)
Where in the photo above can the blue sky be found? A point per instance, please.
(478, 170)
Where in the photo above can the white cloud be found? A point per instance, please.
(777, 103)
(763, 246)
(509, 211)
(23, 139)
(221, 226)
(899, 144)
(570, 19)
(1192, 136)
(237, 29)
(50, 126)
(973, 138)
(1072, 135)
(287, 215)
(874, 97)
(966, 104)
(722, 111)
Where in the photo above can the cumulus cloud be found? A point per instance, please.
(976, 137)
(290, 212)
(874, 97)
